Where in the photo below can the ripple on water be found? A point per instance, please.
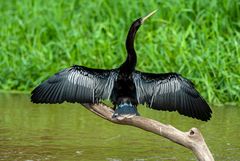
(69, 132)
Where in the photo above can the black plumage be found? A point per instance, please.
(76, 84)
(124, 86)
(171, 92)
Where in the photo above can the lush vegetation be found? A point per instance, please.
(199, 39)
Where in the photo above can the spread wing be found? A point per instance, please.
(76, 84)
(171, 92)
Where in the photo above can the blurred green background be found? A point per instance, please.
(198, 38)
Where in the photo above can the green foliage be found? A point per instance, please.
(199, 39)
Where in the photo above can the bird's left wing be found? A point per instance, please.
(76, 84)
(172, 92)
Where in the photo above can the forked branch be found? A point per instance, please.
(191, 139)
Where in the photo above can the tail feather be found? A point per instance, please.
(125, 110)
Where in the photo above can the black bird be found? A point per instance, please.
(124, 86)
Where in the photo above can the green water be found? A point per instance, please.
(69, 132)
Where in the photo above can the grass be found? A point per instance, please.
(199, 39)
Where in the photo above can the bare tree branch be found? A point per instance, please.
(191, 139)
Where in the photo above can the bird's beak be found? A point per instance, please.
(146, 17)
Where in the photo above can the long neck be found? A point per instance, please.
(130, 62)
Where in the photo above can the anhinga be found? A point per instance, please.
(124, 86)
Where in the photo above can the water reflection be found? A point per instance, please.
(70, 132)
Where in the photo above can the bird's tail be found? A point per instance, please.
(125, 110)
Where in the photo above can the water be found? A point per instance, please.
(69, 132)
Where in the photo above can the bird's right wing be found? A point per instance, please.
(171, 92)
(76, 84)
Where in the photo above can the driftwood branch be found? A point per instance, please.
(191, 139)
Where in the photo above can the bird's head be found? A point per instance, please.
(137, 23)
